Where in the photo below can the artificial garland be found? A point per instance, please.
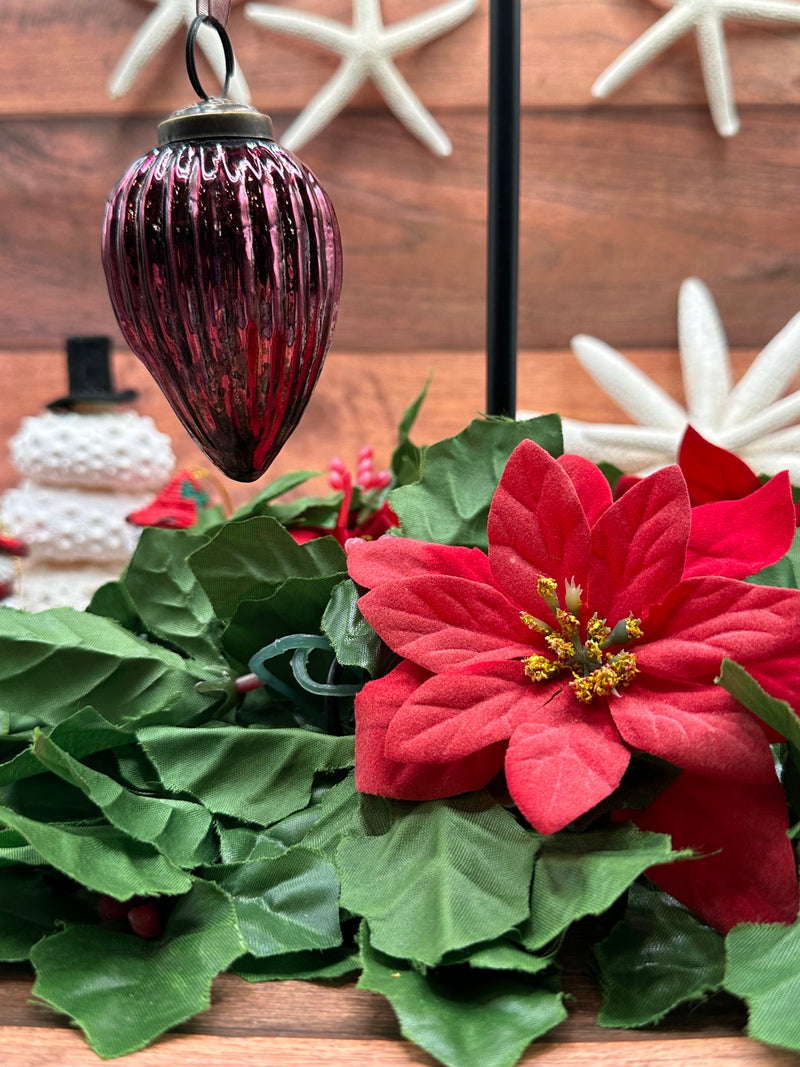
(186, 788)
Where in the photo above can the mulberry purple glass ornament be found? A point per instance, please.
(224, 266)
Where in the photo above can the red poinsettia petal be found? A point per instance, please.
(736, 538)
(698, 727)
(372, 562)
(748, 872)
(713, 473)
(452, 715)
(706, 619)
(559, 766)
(639, 546)
(591, 485)
(375, 707)
(442, 622)
(536, 526)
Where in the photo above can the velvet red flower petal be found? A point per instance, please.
(737, 538)
(748, 872)
(713, 473)
(537, 526)
(372, 562)
(376, 705)
(453, 714)
(442, 622)
(639, 546)
(557, 766)
(698, 727)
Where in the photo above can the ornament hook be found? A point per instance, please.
(227, 48)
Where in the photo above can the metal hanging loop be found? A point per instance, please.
(227, 48)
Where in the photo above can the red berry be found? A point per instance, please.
(144, 921)
(110, 909)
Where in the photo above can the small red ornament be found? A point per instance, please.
(224, 266)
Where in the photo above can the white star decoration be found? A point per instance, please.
(706, 18)
(367, 48)
(159, 26)
(748, 418)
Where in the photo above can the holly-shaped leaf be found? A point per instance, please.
(100, 857)
(127, 990)
(248, 560)
(54, 662)
(177, 828)
(450, 503)
(167, 596)
(259, 776)
(762, 969)
(289, 903)
(583, 874)
(659, 956)
(464, 1016)
(445, 874)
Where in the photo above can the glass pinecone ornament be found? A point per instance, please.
(223, 260)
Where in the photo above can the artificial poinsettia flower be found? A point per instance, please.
(348, 523)
(592, 630)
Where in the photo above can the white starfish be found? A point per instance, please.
(159, 26)
(748, 418)
(706, 18)
(367, 48)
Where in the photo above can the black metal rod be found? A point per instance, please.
(503, 235)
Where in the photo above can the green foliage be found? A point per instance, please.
(658, 957)
(429, 884)
(450, 503)
(761, 967)
(464, 1016)
(583, 874)
(127, 991)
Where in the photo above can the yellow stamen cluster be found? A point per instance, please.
(596, 672)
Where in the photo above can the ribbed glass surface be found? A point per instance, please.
(224, 267)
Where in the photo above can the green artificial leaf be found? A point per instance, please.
(300, 966)
(126, 990)
(339, 816)
(450, 504)
(259, 776)
(785, 573)
(167, 596)
(295, 606)
(499, 955)
(406, 463)
(59, 660)
(113, 601)
(445, 874)
(265, 496)
(29, 909)
(463, 1016)
(761, 968)
(355, 642)
(659, 956)
(177, 828)
(316, 511)
(81, 734)
(239, 844)
(583, 874)
(100, 857)
(248, 560)
(775, 713)
(289, 903)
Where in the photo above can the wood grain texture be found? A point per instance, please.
(616, 211)
(58, 57)
(358, 401)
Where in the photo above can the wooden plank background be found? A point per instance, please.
(621, 200)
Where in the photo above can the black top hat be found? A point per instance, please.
(89, 371)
